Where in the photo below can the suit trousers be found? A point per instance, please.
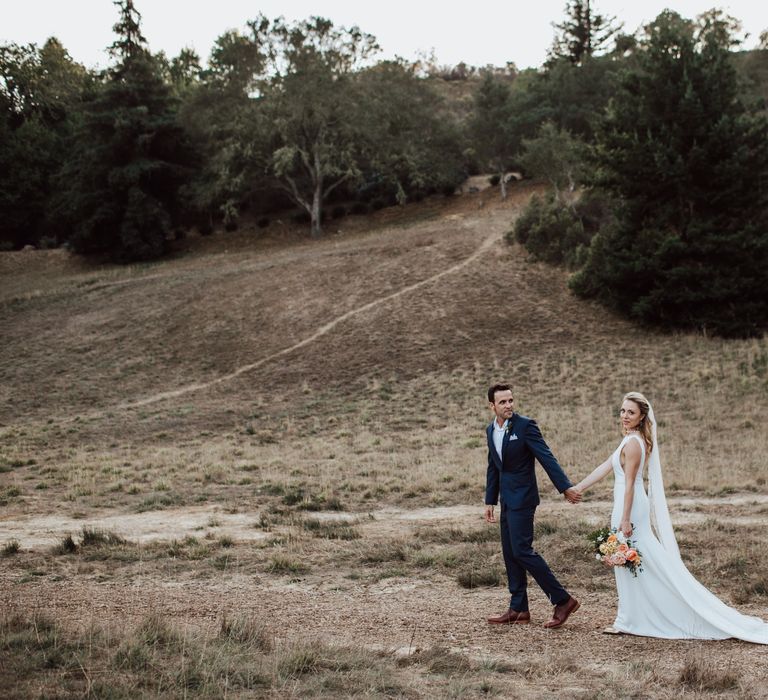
(520, 559)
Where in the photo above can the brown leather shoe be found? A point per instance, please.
(562, 612)
(511, 617)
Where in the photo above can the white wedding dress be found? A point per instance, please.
(665, 600)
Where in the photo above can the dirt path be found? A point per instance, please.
(323, 330)
(39, 531)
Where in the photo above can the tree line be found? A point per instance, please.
(653, 142)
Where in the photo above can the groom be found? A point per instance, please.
(513, 443)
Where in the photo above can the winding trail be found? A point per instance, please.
(323, 330)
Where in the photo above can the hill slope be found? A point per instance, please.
(221, 409)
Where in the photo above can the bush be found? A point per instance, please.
(10, 548)
(66, 546)
(448, 190)
(48, 243)
(359, 209)
(263, 222)
(205, 228)
(378, 203)
(494, 180)
(338, 211)
(553, 233)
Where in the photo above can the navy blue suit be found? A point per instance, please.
(512, 479)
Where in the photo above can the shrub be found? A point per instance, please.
(48, 243)
(359, 208)
(66, 546)
(10, 548)
(378, 203)
(93, 537)
(338, 211)
(263, 222)
(552, 232)
(247, 631)
(494, 180)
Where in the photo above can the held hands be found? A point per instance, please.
(489, 516)
(572, 495)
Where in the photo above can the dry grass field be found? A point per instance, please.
(257, 469)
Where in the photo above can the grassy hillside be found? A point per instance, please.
(258, 394)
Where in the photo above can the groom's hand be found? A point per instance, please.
(572, 495)
(489, 516)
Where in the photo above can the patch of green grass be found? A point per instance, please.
(331, 529)
(94, 537)
(158, 502)
(544, 527)
(281, 564)
(9, 493)
(319, 503)
(480, 577)
(385, 552)
(67, 545)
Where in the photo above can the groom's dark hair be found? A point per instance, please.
(497, 387)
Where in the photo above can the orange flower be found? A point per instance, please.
(623, 547)
(611, 538)
(631, 555)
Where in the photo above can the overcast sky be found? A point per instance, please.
(478, 34)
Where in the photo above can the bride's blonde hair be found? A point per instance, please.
(644, 428)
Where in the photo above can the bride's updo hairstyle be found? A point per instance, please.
(645, 428)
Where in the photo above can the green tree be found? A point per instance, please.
(688, 165)
(409, 144)
(311, 97)
(493, 128)
(40, 94)
(309, 118)
(584, 33)
(557, 157)
(121, 194)
(222, 114)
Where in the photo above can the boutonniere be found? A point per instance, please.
(509, 432)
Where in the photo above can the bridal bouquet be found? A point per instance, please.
(614, 549)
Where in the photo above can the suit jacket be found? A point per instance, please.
(513, 477)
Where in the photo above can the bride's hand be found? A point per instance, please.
(626, 527)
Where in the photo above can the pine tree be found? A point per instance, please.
(122, 198)
(688, 165)
(584, 33)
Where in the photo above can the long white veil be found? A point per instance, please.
(659, 511)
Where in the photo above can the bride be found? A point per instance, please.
(664, 600)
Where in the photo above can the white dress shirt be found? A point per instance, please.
(498, 435)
